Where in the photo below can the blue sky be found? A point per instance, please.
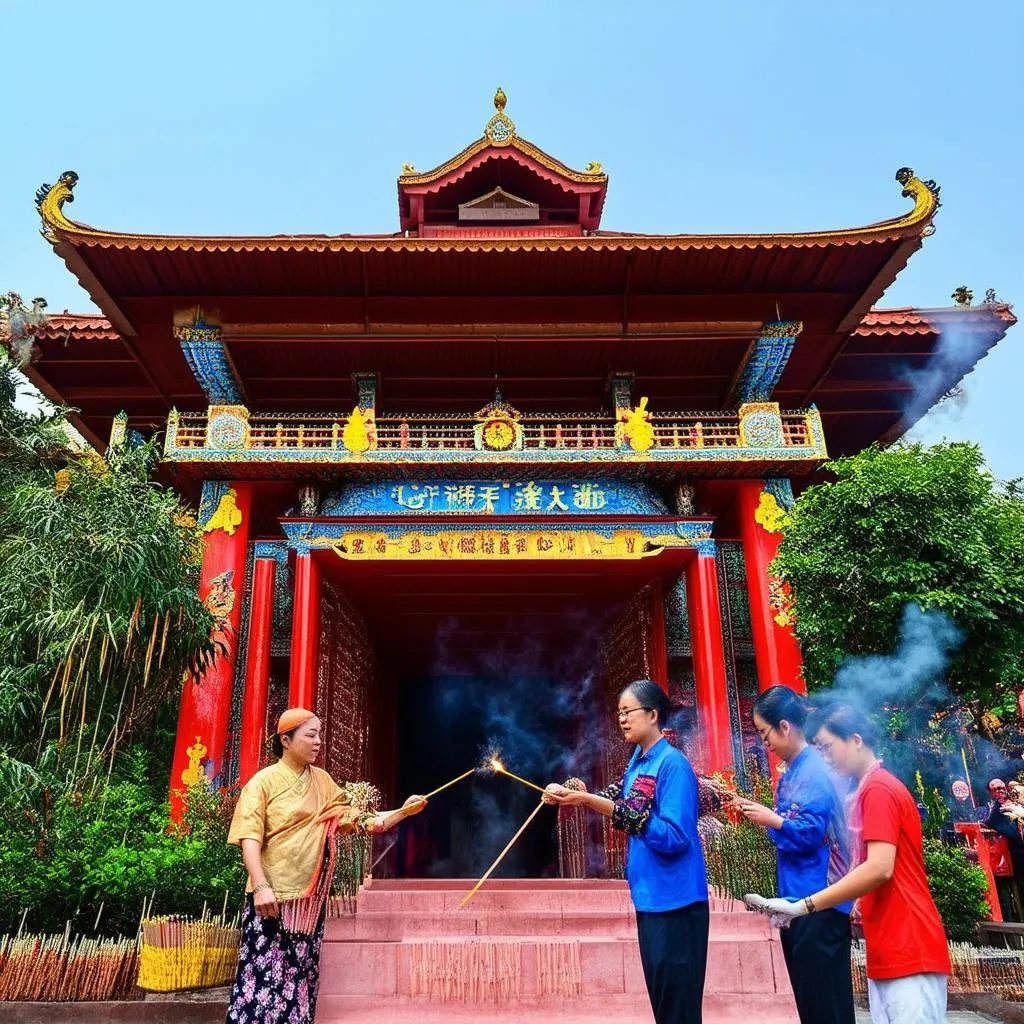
(260, 117)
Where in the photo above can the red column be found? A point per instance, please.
(305, 633)
(257, 668)
(710, 681)
(776, 651)
(206, 699)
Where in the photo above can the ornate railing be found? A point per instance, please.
(756, 431)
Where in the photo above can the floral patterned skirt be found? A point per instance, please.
(278, 972)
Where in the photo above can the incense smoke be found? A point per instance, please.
(915, 671)
(954, 355)
(924, 725)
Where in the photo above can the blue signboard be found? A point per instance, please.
(495, 498)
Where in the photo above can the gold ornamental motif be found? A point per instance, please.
(497, 426)
(50, 200)
(780, 600)
(227, 516)
(357, 435)
(636, 428)
(498, 435)
(768, 514)
(195, 773)
(501, 129)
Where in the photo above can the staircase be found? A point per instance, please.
(546, 949)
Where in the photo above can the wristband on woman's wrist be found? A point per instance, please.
(809, 904)
(261, 887)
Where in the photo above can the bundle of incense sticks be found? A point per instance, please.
(66, 968)
(179, 953)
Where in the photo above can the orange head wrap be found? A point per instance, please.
(292, 719)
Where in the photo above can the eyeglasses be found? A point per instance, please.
(767, 732)
(824, 748)
(624, 713)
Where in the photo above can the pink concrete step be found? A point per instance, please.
(367, 958)
(607, 966)
(394, 926)
(581, 1010)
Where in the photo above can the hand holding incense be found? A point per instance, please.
(498, 860)
(451, 782)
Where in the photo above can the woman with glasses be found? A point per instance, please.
(656, 805)
(808, 828)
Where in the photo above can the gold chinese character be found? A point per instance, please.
(489, 496)
(460, 495)
(556, 500)
(528, 497)
(589, 497)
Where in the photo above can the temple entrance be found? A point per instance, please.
(444, 663)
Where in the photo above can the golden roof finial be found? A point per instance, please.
(500, 130)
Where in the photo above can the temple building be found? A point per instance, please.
(502, 437)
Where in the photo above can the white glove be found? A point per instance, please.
(780, 912)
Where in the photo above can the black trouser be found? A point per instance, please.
(817, 952)
(674, 952)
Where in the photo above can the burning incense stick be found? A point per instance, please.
(511, 842)
(434, 792)
(495, 765)
(970, 788)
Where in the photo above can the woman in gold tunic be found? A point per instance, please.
(285, 822)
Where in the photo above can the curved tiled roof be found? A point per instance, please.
(911, 320)
(88, 326)
(58, 228)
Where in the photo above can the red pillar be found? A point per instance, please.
(776, 651)
(305, 633)
(710, 681)
(257, 668)
(206, 700)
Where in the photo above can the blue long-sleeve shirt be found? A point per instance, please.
(812, 844)
(656, 805)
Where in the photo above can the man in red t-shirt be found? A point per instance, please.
(907, 954)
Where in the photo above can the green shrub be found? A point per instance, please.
(958, 887)
(111, 846)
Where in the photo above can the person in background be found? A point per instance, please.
(908, 963)
(1004, 814)
(656, 804)
(808, 828)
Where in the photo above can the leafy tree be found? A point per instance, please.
(99, 613)
(919, 525)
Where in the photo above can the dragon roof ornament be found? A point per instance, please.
(50, 200)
